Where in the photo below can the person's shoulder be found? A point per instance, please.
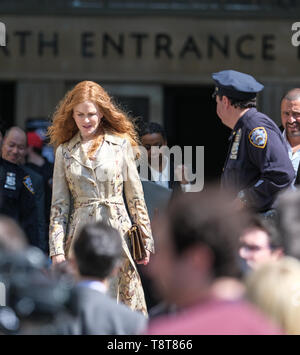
(33, 173)
(90, 301)
(115, 138)
(106, 303)
(64, 150)
(70, 144)
(258, 119)
(212, 318)
(259, 127)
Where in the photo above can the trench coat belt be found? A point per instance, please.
(84, 202)
(108, 202)
(96, 202)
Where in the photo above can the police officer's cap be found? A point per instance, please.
(236, 85)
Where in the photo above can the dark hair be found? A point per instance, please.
(237, 103)
(208, 218)
(97, 250)
(152, 127)
(291, 95)
(269, 227)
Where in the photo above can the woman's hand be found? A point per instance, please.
(56, 259)
(146, 260)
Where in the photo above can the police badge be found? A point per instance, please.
(28, 184)
(10, 182)
(235, 145)
(258, 137)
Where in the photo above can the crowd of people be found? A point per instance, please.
(225, 260)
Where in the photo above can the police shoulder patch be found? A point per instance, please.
(28, 184)
(258, 137)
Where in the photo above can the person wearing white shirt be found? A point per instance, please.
(290, 118)
(161, 168)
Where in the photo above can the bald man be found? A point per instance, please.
(14, 145)
(290, 118)
(18, 199)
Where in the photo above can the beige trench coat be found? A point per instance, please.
(84, 193)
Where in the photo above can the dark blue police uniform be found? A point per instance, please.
(17, 199)
(257, 166)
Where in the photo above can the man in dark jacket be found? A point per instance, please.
(97, 253)
(18, 192)
(17, 198)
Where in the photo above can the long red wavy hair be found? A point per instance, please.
(114, 120)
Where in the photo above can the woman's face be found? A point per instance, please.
(87, 117)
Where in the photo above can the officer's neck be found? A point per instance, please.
(236, 115)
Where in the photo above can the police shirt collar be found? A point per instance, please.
(244, 118)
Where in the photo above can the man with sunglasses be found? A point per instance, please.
(257, 166)
(260, 242)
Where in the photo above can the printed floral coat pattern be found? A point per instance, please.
(84, 193)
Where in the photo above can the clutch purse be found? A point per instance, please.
(137, 242)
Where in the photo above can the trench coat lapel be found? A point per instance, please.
(109, 152)
(78, 153)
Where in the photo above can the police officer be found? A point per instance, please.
(17, 198)
(257, 166)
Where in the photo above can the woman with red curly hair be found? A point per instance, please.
(94, 165)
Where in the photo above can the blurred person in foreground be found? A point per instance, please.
(196, 268)
(97, 256)
(12, 240)
(35, 303)
(288, 222)
(31, 303)
(260, 242)
(275, 289)
(12, 237)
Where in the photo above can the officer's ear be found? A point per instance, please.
(226, 101)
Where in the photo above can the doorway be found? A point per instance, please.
(7, 105)
(185, 109)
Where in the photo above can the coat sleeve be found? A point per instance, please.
(60, 206)
(135, 196)
(276, 171)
